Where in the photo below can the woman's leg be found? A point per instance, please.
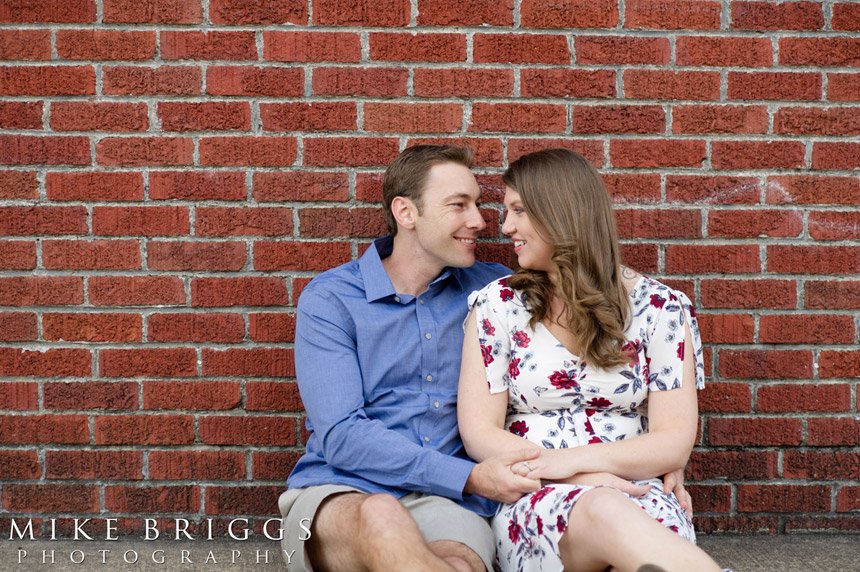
(606, 529)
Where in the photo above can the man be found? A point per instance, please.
(384, 482)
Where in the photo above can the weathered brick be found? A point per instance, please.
(839, 364)
(757, 154)
(723, 51)
(465, 12)
(17, 326)
(774, 85)
(618, 119)
(140, 221)
(248, 151)
(701, 258)
(18, 185)
(191, 395)
(591, 150)
(255, 81)
(360, 222)
(105, 45)
(736, 294)
(569, 14)
(843, 86)
(826, 225)
(273, 465)
(665, 84)
(754, 223)
(17, 255)
(521, 48)
(51, 498)
(832, 294)
(301, 186)
(19, 465)
(243, 291)
(372, 82)
(258, 12)
(148, 362)
(91, 327)
(193, 45)
(269, 431)
(207, 116)
(58, 11)
(41, 291)
(618, 50)
(94, 465)
(766, 364)
(197, 185)
(803, 397)
(34, 429)
(45, 362)
(725, 398)
(485, 152)
(135, 291)
(732, 465)
(272, 327)
(846, 17)
(361, 12)
(816, 121)
(98, 186)
(761, 16)
(153, 11)
(711, 498)
(808, 189)
(672, 14)
(20, 115)
(518, 117)
(91, 395)
(313, 116)
(836, 156)
(243, 500)
(47, 80)
(197, 465)
(413, 117)
(656, 153)
(141, 429)
(391, 46)
(565, 82)
(283, 255)
(273, 396)
(163, 80)
(658, 223)
(726, 328)
(754, 431)
(20, 395)
(216, 256)
(813, 259)
(44, 150)
(783, 498)
(24, 221)
(302, 46)
(144, 151)
(833, 431)
(819, 52)
(244, 221)
(719, 119)
(225, 328)
(153, 500)
(350, 151)
(633, 187)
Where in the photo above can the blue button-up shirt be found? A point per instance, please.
(378, 374)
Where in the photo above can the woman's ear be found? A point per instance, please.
(404, 212)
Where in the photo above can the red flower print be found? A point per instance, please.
(513, 368)
(503, 282)
(632, 348)
(571, 494)
(489, 330)
(563, 379)
(519, 428)
(692, 311)
(561, 524)
(594, 440)
(514, 531)
(681, 350)
(538, 496)
(487, 352)
(599, 402)
(521, 339)
(657, 300)
(506, 294)
(539, 526)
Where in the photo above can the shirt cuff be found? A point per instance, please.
(447, 476)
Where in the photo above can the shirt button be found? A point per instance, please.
(428, 335)
(397, 298)
(429, 378)
(426, 439)
(420, 301)
(436, 404)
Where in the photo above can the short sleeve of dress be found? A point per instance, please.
(492, 326)
(665, 348)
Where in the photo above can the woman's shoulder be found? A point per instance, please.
(648, 292)
(497, 293)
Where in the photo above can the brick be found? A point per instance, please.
(17, 255)
(91, 395)
(244, 221)
(20, 115)
(94, 465)
(44, 150)
(760, 16)
(192, 395)
(563, 82)
(813, 259)
(230, 430)
(518, 117)
(153, 12)
(18, 185)
(136, 291)
(255, 81)
(725, 398)
(619, 50)
(665, 84)
(214, 256)
(140, 221)
(41, 291)
(657, 223)
(766, 364)
(820, 52)
(91, 255)
(372, 82)
(33, 429)
(105, 45)
(141, 429)
(783, 498)
(349, 223)
(726, 328)
(757, 154)
(47, 80)
(225, 328)
(732, 465)
(591, 150)
(243, 500)
(641, 257)
(273, 465)
(465, 13)
(806, 189)
(284, 255)
(635, 188)
(695, 259)
(193, 45)
(164, 80)
(754, 223)
(774, 86)
(839, 364)
(843, 87)
(95, 186)
(302, 46)
(391, 46)
(804, 397)
(656, 153)
(569, 14)
(149, 362)
(244, 291)
(828, 225)
(833, 431)
(711, 498)
(836, 156)
(57, 11)
(719, 119)
(846, 17)
(368, 187)
(300, 186)
(17, 326)
(248, 151)
(618, 119)
(92, 327)
(809, 328)
(258, 12)
(207, 116)
(20, 396)
(24, 221)
(197, 185)
(832, 294)
(740, 524)
(272, 327)
(350, 151)
(848, 499)
(361, 13)
(521, 48)
(752, 431)
(723, 51)
(736, 294)
(53, 498)
(315, 116)
(672, 15)
(152, 500)
(413, 117)
(144, 151)
(273, 396)
(197, 465)
(485, 152)
(816, 121)
(19, 465)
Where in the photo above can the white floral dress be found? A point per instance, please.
(557, 400)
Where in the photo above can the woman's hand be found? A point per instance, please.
(552, 465)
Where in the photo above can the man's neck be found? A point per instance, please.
(409, 272)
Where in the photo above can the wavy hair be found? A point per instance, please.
(567, 202)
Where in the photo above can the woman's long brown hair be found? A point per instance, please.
(567, 202)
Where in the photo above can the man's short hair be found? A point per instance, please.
(407, 174)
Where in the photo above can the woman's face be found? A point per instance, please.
(533, 252)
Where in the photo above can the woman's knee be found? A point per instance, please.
(597, 509)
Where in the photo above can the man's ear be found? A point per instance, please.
(404, 212)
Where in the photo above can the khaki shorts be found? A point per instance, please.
(438, 518)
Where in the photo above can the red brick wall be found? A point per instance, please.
(172, 172)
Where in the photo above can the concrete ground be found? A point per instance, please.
(788, 553)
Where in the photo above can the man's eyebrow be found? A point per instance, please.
(457, 196)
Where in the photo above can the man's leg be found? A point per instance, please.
(458, 556)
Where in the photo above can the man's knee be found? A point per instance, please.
(382, 510)
(459, 556)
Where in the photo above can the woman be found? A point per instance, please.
(577, 350)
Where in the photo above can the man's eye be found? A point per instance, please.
(458, 205)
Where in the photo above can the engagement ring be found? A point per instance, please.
(529, 467)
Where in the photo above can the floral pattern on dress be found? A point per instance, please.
(556, 400)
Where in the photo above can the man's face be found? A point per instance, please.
(447, 228)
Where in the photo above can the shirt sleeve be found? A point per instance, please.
(665, 348)
(492, 327)
(330, 382)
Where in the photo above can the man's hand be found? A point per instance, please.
(674, 483)
(494, 479)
